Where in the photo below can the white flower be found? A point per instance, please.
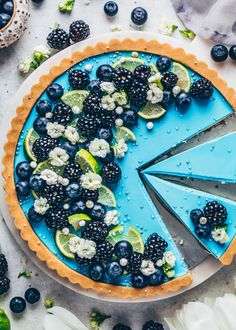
(72, 134)
(49, 115)
(74, 243)
(91, 181)
(25, 64)
(115, 28)
(120, 98)
(147, 268)
(58, 157)
(120, 148)
(219, 235)
(99, 148)
(176, 90)
(63, 181)
(55, 130)
(43, 51)
(156, 77)
(76, 110)
(154, 94)
(49, 176)
(107, 87)
(41, 205)
(111, 218)
(169, 258)
(82, 247)
(165, 27)
(108, 103)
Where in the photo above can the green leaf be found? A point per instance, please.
(25, 274)
(48, 303)
(188, 34)
(66, 7)
(174, 27)
(96, 319)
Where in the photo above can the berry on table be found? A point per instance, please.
(111, 172)
(183, 100)
(97, 271)
(111, 8)
(139, 281)
(23, 170)
(22, 188)
(79, 30)
(123, 249)
(98, 211)
(201, 89)
(55, 91)
(151, 325)
(96, 231)
(129, 117)
(32, 295)
(104, 72)
(40, 125)
(33, 216)
(114, 269)
(219, 53)
(43, 107)
(3, 265)
(17, 305)
(120, 326)
(62, 114)
(78, 79)
(139, 16)
(56, 218)
(163, 63)
(232, 52)
(4, 284)
(58, 39)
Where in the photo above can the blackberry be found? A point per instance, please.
(122, 78)
(104, 251)
(111, 172)
(92, 104)
(169, 80)
(89, 195)
(78, 79)
(134, 263)
(4, 284)
(151, 325)
(54, 193)
(215, 213)
(56, 218)
(154, 247)
(138, 93)
(83, 261)
(120, 326)
(42, 147)
(62, 113)
(58, 39)
(142, 73)
(107, 118)
(88, 125)
(79, 30)
(201, 89)
(96, 231)
(3, 265)
(72, 171)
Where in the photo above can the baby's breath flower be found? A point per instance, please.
(99, 148)
(91, 181)
(120, 148)
(25, 65)
(67, 6)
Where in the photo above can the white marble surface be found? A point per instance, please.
(42, 18)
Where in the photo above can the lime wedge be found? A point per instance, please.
(124, 133)
(4, 321)
(47, 166)
(129, 63)
(86, 161)
(184, 81)
(151, 111)
(135, 238)
(62, 242)
(75, 220)
(106, 197)
(75, 98)
(30, 138)
(115, 235)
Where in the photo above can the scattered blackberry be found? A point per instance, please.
(215, 213)
(120, 326)
(88, 124)
(56, 218)
(54, 193)
(122, 78)
(42, 147)
(72, 171)
(142, 73)
(89, 195)
(151, 325)
(78, 79)
(62, 113)
(96, 231)
(104, 251)
(79, 30)
(4, 284)
(92, 103)
(111, 172)
(83, 261)
(107, 118)
(58, 39)
(134, 263)
(3, 265)
(201, 89)
(169, 80)
(138, 93)
(154, 247)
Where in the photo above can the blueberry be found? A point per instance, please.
(98, 211)
(40, 125)
(139, 16)
(123, 249)
(78, 207)
(36, 183)
(219, 53)
(43, 107)
(4, 19)
(94, 86)
(156, 278)
(8, 7)
(139, 281)
(96, 271)
(168, 99)
(183, 100)
(22, 188)
(129, 117)
(104, 72)
(111, 8)
(23, 170)
(71, 149)
(232, 52)
(109, 157)
(34, 216)
(37, 1)
(17, 305)
(163, 63)
(54, 91)
(203, 231)
(73, 190)
(105, 134)
(114, 269)
(195, 216)
(32, 295)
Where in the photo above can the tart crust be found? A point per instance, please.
(18, 121)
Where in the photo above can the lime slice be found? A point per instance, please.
(115, 234)
(75, 220)
(62, 242)
(106, 196)
(86, 161)
(151, 111)
(129, 63)
(135, 238)
(124, 133)
(30, 138)
(47, 166)
(4, 321)
(153, 68)
(184, 81)
(75, 98)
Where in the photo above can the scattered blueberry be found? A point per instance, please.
(232, 52)
(219, 53)
(23, 170)
(156, 278)
(195, 216)
(36, 183)
(105, 134)
(94, 86)
(8, 7)
(183, 100)
(113, 269)
(40, 125)
(129, 117)
(4, 19)
(34, 216)
(32, 295)
(98, 211)
(111, 8)
(97, 271)
(139, 281)
(43, 107)
(71, 149)
(104, 72)
(168, 99)
(123, 249)
(163, 63)
(139, 16)
(17, 305)
(203, 231)
(55, 91)
(22, 188)
(37, 1)
(73, 190)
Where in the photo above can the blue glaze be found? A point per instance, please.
(133, 202)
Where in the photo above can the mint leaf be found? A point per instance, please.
(188, 34)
